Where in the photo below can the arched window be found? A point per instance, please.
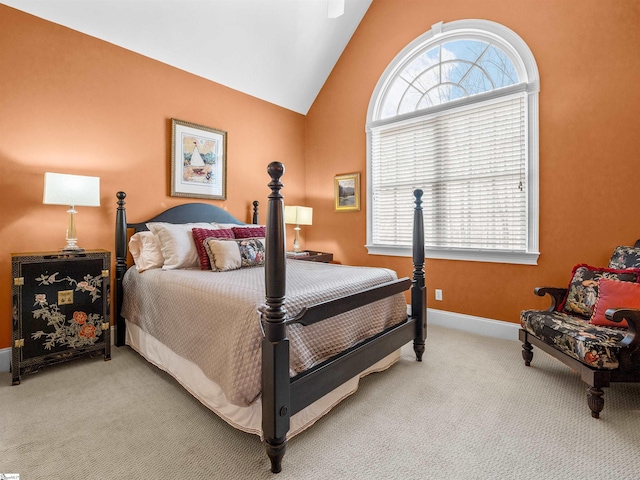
(456, 114)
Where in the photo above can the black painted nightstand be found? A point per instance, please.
(60, 308)
(311, 256)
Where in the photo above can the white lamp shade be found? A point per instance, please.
(71, 190)
(298, 215)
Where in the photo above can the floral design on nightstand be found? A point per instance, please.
(79, 331)
(89, 284)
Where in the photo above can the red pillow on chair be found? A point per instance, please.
(615, 294)
(200, 235)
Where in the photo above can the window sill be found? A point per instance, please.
(519, 258)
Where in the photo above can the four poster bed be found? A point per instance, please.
(269, 349)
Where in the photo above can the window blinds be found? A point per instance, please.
(471, 164)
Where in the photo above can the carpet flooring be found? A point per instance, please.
(471, 410)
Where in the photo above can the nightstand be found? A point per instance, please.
(60, 308)
(311, 256)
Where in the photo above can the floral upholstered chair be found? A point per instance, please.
(591, 326)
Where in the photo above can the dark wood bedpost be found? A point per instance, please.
(418, 290)
(255, 219)
(121, 265)
(275, 346)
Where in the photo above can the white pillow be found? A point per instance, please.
(235, 225)
(176, 243)
(145, 251)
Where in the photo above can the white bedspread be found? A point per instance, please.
(211, 318)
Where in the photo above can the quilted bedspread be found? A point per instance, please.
(212, 319)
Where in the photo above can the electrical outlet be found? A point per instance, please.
(438, 294)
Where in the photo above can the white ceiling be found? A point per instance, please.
(281, 51)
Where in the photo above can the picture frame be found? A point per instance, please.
(346, 192)
(198, 161)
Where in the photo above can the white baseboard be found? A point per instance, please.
(469, 323)
(5, 359)
(5, 355)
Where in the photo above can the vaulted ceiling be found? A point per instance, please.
(281, 51)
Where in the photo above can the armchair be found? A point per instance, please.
(591, 326)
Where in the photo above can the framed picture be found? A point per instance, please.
(347, 192)
(198, 161)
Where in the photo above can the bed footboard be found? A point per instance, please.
(275, 346)
(283, 396)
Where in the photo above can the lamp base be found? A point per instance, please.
(71, 237)
(296, 240)
(72, 249)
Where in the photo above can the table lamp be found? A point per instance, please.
(297, 216)
(74, 191)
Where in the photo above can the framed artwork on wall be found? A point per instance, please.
(198, 161)
(346, 190)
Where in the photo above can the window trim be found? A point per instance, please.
(529, 80)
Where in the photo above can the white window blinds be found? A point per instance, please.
(471, 164)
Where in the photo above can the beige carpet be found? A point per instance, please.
(471, 410)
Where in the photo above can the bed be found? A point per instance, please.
(273, 347)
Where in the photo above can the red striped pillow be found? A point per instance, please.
(250, 232)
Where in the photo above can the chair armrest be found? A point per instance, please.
(557, 295)
(632, 316)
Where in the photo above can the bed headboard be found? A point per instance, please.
(188, 213)
(185, 213)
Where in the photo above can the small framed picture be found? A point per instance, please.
(198, 161)
(347, 192)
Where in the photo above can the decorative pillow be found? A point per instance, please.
(230, 225)
(625, 257)
(145, 251)
(250, 232)
(615, 294)
(176, 243)
(200, 235)
(233, 254)
(236, 225)
(583, 290)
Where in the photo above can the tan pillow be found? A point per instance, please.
(227, 254)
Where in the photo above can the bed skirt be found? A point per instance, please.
(249, 418)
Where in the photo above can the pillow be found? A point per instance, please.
(615, 294)
(236, 225)
(625, 257)
(145, 251)
(228, 225)
(583, 289)
(250, 232)
(176, 243)
(200, 235)
(233, 254)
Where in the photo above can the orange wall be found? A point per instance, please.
(73, 104)
(586, 51)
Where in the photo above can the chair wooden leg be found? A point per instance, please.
(595, 401)
(527, 353)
